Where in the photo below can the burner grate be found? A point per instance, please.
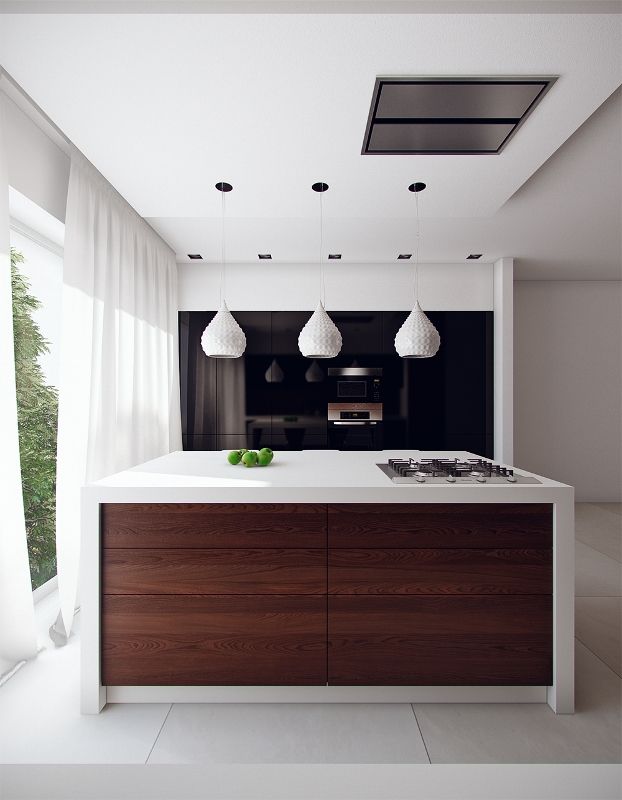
(451, 469)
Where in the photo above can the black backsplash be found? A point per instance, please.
(440, 403)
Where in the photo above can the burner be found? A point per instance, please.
(450, 471)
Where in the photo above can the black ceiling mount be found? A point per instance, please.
(320, 187)
(195, 256)
(449, 115)
(264, 256)
(473, 256)
(222, 186)
(404, 256)
(334, 256)
(416, 187)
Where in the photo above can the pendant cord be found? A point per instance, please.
(418, 237)
(322, 288)
(222, 250)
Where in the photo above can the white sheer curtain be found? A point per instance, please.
(18, 640)
(119, 387)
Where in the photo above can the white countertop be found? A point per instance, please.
(300, 476)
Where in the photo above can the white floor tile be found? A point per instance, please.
(600, 528)
(40, 721)
(531, 733)
(290, 733)
(615, 508)
(598, 624)
(596, 575)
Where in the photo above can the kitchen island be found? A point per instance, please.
(319, 579)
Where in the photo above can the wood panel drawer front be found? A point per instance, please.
(441, 571)
(430, 525)
(202, 525)
(440, 641)
(195, 640)
(215, 571)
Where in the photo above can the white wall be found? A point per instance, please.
(568, 384)
(38, 168)
(267, 286)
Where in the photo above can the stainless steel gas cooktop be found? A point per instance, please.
(478, 471)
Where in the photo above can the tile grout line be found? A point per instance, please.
(159, 732)
(581, 642)
(412, 708)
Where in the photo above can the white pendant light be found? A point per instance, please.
(223, 337)
(320, 337)
(417, 338)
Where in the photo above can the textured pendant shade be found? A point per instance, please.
(417, 338)
(320, 337)
(223, 337)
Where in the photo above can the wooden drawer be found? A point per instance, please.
(216, 571)
(440, 641)
(428, 525)
(195, 640)
(441, 571)
(220, 525)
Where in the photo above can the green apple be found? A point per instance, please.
(249, 459)
(265, 456)
(234, 457)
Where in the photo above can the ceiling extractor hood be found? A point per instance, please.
(449, 116)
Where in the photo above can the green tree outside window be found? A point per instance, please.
(37, 416)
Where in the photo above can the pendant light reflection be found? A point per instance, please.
(320, 337)
(314, 373)
(417, 338)
(223, 337)
(274, 373)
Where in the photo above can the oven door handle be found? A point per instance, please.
(352, 422)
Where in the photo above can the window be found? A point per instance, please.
(36, 278)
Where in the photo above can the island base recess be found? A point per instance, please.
(322, 602)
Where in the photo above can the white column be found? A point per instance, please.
(503, 305)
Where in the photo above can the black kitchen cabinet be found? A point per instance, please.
(273, 396)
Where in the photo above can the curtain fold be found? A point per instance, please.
(18, 639)
(119, 387)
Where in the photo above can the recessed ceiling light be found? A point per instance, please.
(263, 256)
(473, 256)
(334, 256)
(449, 115)
(195, 256)
(404, 256)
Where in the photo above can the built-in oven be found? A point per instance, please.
(354, 412)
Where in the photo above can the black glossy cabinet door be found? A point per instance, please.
(273, 396)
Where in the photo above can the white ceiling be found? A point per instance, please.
(166, 105)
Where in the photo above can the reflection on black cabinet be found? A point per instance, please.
(273, 396)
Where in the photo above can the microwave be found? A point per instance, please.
(355, 384)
